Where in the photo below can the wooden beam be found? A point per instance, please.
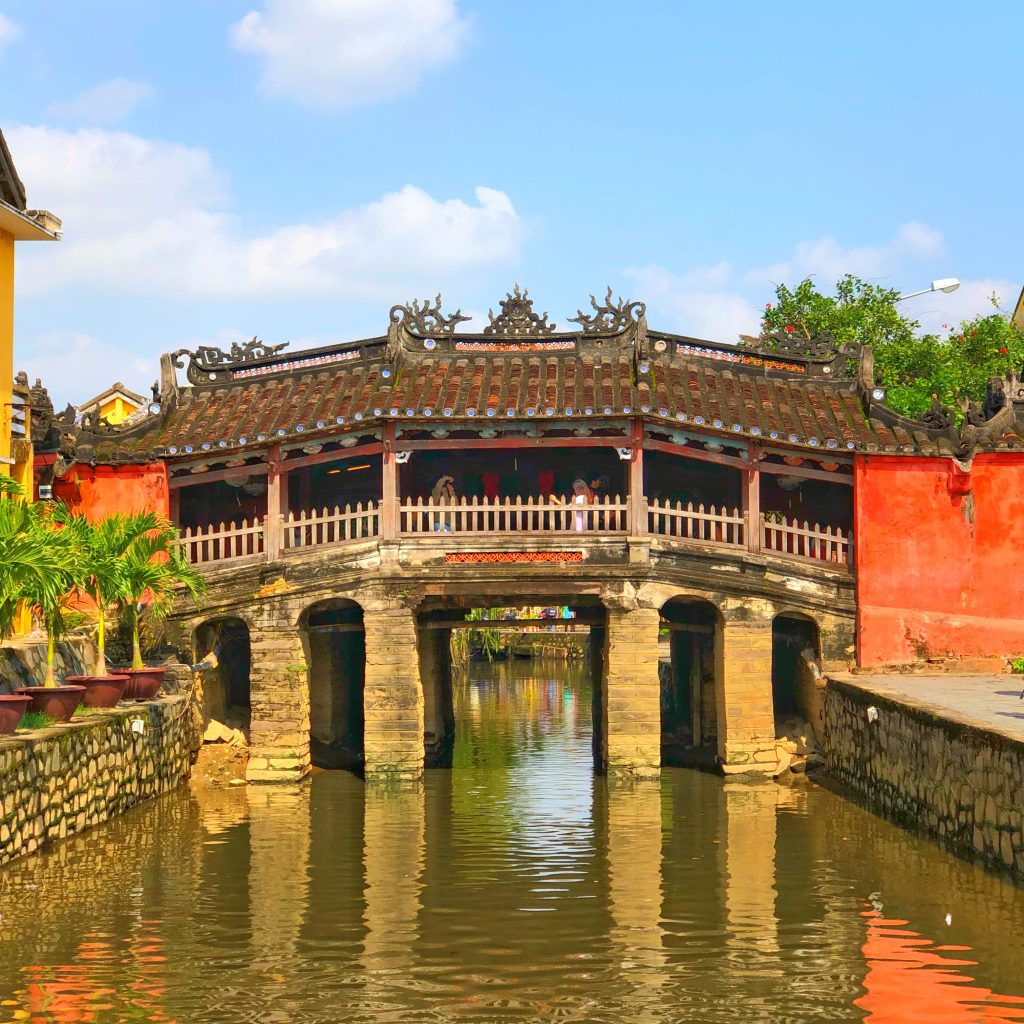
(213, 475)
(338, 455)
(482, 443)
(686, 627)
(454, 623)
(651, 445)
(807, 474)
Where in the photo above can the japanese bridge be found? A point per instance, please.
(719, 507)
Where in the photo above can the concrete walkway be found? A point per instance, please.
(985, 701)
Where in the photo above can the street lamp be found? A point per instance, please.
(944, 284)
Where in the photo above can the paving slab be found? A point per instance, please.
(985, 701)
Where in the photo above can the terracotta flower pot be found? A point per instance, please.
(12, 707)
(143, 683)
(59, 702)
(101, 691)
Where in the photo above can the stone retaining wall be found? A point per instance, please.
(23, 662)
(958, 782)
(58, 781)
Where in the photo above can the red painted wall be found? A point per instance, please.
(940, 558)
(99, 490)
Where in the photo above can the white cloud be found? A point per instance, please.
(106, 103)
(9, 31)
(701, 302)
(719, 303)
(74, 366)
(331, 54)
(939, 312)
(149, 217)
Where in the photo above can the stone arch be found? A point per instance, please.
(227, 691)
(796, 657)
(690, 678)
(336, 642)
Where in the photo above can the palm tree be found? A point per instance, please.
(51, 595)
(28, 563)
(101, 562)
(155, 565)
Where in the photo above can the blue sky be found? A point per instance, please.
(292, 168)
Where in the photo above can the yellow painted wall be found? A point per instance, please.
(6, 345)
(117, 410)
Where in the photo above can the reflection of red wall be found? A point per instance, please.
(97, 491)
(940, 557)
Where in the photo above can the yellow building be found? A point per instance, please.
(17, 224)
(114, 405)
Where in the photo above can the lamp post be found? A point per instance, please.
(944, 284)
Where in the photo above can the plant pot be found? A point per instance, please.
(143, 683)
(59, 702)
(12, 707)
(101, 691)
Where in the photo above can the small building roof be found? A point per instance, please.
(115, 390)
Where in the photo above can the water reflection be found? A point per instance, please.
(514, 887)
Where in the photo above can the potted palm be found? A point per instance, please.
(154, 567)
(30, 566)
(102, 549)
(50, 597)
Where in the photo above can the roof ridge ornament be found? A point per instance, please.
(610, 316)
(426, 320)
(517, 318)
(792, 342)
(208, 363)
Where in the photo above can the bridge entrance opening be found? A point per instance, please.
(796, 655)
(463, 650)
(225, 688)
(689, 678)
(337, 670)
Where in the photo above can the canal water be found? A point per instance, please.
(514, 887)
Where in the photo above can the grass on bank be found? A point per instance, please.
(35, 720)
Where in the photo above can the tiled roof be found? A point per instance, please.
(699, 386)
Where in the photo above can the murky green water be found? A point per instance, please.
(515, 887)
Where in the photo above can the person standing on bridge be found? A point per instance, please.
(443, 494)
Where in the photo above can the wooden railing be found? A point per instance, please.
(224, 543)
(475, 517)
(811, 542)
(703, 526)
(323, 527)
(469, 516)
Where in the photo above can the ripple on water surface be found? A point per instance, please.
(514, 887)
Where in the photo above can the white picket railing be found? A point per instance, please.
(811, 541)
(483, 516)
(226, 542)
(476, 517)
(697, 524)
(323, 527)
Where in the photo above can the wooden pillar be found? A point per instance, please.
(752, 503)
(745, 711)
(637, 501)
(632, 694)
(277, 503)
(174, 505)
(389, 486)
